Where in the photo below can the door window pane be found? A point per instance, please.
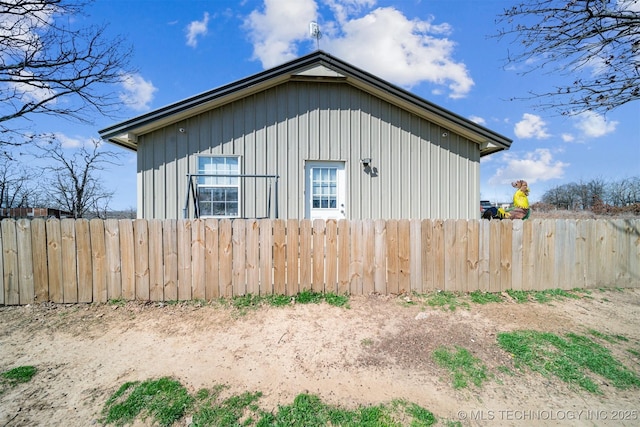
(324, 187)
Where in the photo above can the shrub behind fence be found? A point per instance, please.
(70, 261)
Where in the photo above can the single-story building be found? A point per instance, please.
(315, 137)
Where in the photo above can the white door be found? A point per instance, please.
(325, 190)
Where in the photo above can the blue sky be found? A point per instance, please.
(440, 50)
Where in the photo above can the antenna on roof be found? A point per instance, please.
(314, 31)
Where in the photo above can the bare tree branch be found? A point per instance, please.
(47, 66)
(593, 44)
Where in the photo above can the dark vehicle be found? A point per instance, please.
(484, 205)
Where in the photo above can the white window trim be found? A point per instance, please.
(238, 186)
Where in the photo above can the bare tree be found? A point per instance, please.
(593, 44)
(73, 182)
(47, 66)
(15, 185)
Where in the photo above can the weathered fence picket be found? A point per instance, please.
(71, 261)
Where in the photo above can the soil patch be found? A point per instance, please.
(377, 350)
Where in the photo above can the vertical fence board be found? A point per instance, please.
(393, 277)
(559, 243)
(549, 276)
(634, 253)
(39, 250)
(279, 257)
(484, 246)
(99, 260)
(450, 255)
(11, 273)
(128, 259)
(3, 285)
(356, 250)
(404, 256)
(156, 276)
(495, 256)
(570, 264)
(428, 256)
(238, 239)
(438, 251)
(197, 260)
(25, 261)
(528, 258)
(623, 253)
(54, 260)
(380, 269)
(212, 287)
(69, 261)
(293, 256)
(473, 254)
(368, 236)
(461, 264)
(516, 255)
(331, 258)
(141, 259)
(85, 268)
(318, 283)
(253, 256)
(112, 244)
(305, 255)
(170, 259)
(415, 262)
(226, 258)
(539, 253)
(343, 256)
(183, 227)
(506, 238)
(266, 257)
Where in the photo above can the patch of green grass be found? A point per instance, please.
(573, 358)
(462, 365)
(609, 338)
(309, 297)
(164, 400)
(518, 296)
(19, 375)
(276, 300)
(237, 410)
(553, 294)
(634, 352)
(119, 302)
(336, 300)
(445, 300)
(481, 297)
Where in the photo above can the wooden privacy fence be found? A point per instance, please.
(69, 261)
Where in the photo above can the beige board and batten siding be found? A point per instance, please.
(420, 170)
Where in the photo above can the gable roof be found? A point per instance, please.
(317, 65)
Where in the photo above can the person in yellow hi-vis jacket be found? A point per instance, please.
(520, 209)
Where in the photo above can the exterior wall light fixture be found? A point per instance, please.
(366, 162)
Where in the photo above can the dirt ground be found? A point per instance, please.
(377, 350)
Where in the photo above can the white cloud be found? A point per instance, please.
(594, 125)
(531, 126)
(383, 41)
(138, 92)
(275, 31)
(478, 120)
(567, 137)
(70, 142)
(196, 29)
(534, 166)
